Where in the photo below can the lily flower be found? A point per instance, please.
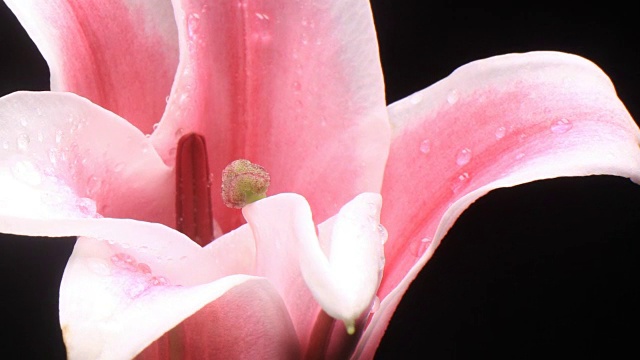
(151, 102)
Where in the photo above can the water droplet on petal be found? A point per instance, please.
(118, 167)
(561, 126)
(144, 268)
(155, 126)
(464, 156)
(58, 136)
(376, 305)
(86, 206)
(460, 181)
(193, 22)
(24, 122)
(383, 233)
(453, 96)
(125, 261)
(425, 146)
(93, 185)
(23, 141)
(419, 246)
(158, 281)
(520, 156)
(501, 132)
(5, 145)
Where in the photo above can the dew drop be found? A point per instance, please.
(155, 126)
(124, 261)
(93, 185)
(23, 141)
(419, 246)
(144, 268)
(5, 145)
(453, 96)
(53, 156)
(262, 16)
(460, 181)
(158, 281)
(58, 136)
(520, 156)
(193, 22)
(179, 132)
(376, 305)
(118, 167)
(425, 146)
(501, 132)
(183, 98)
(383, 233)
(561, 126)
(297, 86)
(24, 122)
(86, 206)
(26, 172)
(464, 156)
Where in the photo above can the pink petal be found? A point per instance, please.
(65, 157)
(343, 281)
(121, 55)
(293, 86)
(493, 123)
(114, 304)
(248, 322)
(132, 281)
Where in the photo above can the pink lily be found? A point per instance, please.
(463, 172)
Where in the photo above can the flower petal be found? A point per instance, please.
(289, 254)
(121, 55)
(295, 87)
(113, 305)
(249, 322)
(62, 156)
(493, 123)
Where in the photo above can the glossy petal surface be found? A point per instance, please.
(293, 86)
(64, 157)
(342, 280)
(493, 123)
(132, 281)
(122, 55)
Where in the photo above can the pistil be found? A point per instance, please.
(194, 216)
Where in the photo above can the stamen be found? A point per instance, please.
(194, 216)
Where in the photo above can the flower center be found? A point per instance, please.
(194, 216)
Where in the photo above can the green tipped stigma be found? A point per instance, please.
(243, 183)
(351, 327)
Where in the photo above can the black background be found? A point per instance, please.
(547, 268)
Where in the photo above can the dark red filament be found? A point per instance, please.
(194, 217)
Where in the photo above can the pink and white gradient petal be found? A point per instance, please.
(493, 123)
(122, 55)
(295, 87)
